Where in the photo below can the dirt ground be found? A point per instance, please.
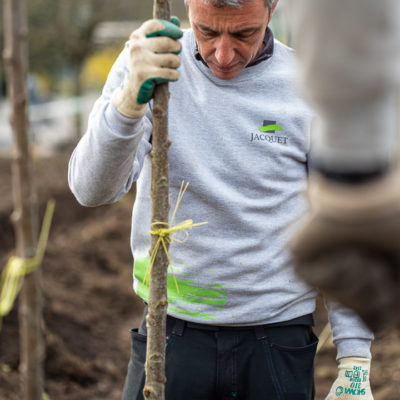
(89, 305)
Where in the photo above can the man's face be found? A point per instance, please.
(229, 38)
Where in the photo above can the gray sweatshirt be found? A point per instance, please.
(242, 145)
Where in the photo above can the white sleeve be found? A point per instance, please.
(350, 335)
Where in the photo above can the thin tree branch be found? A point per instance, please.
(25, 211)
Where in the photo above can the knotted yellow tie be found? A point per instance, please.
(18, 267)
(165, 234)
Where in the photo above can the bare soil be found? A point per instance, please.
(89, 304)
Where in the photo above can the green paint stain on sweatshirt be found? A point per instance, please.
(189, 292)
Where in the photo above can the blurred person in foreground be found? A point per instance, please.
(349, 245)
(239, 322)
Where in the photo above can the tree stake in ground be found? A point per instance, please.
(158, 303)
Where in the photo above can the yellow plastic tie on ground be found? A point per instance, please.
(166, 234)
(17, 267)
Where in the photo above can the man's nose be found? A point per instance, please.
(224, 51)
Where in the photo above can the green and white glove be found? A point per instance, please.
(352, 382)
(153, 59)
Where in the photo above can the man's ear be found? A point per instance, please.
(273, 10)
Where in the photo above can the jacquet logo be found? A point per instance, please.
(267, 133)
(270, 126)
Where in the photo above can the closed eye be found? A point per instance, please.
(208, 33)
(244, 34)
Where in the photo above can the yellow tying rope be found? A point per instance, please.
(165, 234)
(18, 267)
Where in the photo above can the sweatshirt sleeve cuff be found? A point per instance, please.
(121, 125)
(353, 348)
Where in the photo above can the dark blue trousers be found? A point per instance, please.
(269, 362)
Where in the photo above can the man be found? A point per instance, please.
(349, 247)
(239, 320)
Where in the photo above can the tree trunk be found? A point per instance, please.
(158, 302)
(25, 216)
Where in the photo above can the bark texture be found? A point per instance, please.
(25, 211)
(154, 388)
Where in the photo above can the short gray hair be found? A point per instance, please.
(232, 3)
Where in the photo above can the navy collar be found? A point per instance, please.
(265, 54)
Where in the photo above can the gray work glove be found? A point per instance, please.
(349, 246)
(153, 59)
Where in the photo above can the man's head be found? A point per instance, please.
(229, 33)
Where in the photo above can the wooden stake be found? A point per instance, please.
(154, 388)
(25, 216)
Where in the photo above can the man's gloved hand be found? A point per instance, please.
(153, 59)
(353, 380)
(349, 246)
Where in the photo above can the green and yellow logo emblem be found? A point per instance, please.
(270, 127)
